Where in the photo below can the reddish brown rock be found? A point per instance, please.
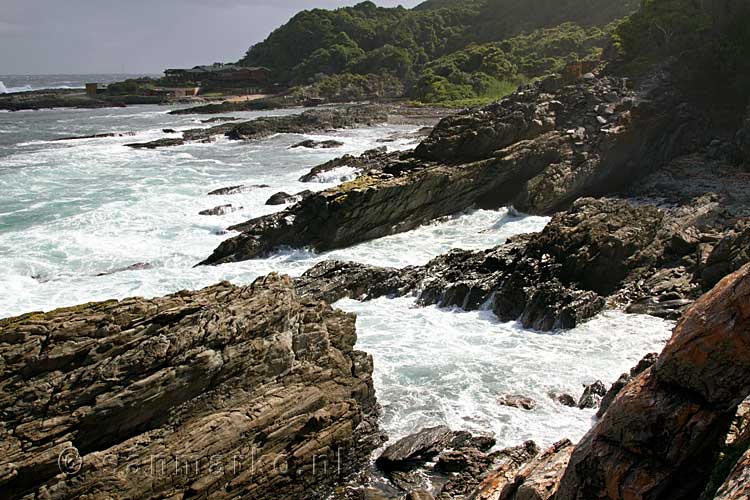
(537, 480)
(661, 435)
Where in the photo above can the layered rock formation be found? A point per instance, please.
(537, 480)
(228, 392)
(661, 435)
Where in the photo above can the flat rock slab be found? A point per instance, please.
(417, 447)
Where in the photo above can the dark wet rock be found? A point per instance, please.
(140, 266)
(280, 198)
(592, 395)
(283, 198)
(169, 131)
(97, 136)
(458, 460)
(464, 439)
(312, 144)
(564, 399)
(220, 210)
(661, 436)
(332, 281)
(249, 372)
(415, 449)
(644, 364)
(369, 160)
(219, 119)
(513, 401)
(159, 143)
(236, 189)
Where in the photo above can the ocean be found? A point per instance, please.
(28, 83)
(71, 210)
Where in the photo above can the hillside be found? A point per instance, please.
(439, 50)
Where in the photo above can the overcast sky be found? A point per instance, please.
(138, 36)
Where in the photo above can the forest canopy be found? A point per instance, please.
(441, 50)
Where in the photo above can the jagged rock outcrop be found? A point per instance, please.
(302, 123)
(313, 144)
(220, 210)
(96, 136)
(592, 395)
(228, 392)
(600, 251)
(282, 198)
(236, 189)
(540, 149)
(159, 143)
(660, 436)
(418, 447)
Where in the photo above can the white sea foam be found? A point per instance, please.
(435, 366)
(10, 90)
(339, 174)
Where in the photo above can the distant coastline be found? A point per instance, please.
(29, 83)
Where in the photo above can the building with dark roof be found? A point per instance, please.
(221, 74)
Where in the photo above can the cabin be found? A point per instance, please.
(93, 89)
(222, 75)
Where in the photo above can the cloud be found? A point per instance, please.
(7, 28)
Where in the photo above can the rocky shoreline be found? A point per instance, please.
(69, 98)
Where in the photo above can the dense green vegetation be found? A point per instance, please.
(490, 70)
(709, 39)
(440, 51)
